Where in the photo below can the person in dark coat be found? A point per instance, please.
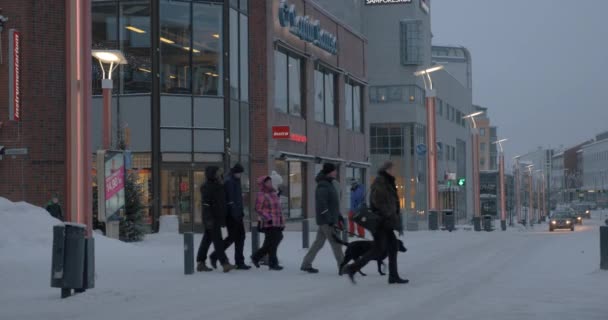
(214, 218)
(234, 218)
(327, 207)
(385, 202)
(54, 208)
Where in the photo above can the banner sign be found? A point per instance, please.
(307, 28)
(110, 184)
(372, 2)
(280, 132)
(14, 75)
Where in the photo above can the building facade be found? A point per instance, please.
(595, 171)
(308, 86)
(488, 150)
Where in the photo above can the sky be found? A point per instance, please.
(540, 66)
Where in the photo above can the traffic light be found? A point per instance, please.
(462, 182)
(449, 183)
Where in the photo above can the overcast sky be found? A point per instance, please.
(539, 66)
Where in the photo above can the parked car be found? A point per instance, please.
(563, 219)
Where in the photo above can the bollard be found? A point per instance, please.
(433, 220)
(604, 247)
(188, 253)
(89, 263)
(503, 225)
(305, 235)
(477, 223)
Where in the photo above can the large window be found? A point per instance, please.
(325, 96)
(191, 48)
(411, 42)
(353, 105)
(292, 188)
(387, 140)
(387, 94)
(287, 83)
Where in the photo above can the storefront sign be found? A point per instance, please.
(424, 4)
(14, 73)
(111, 184)
(280, 132)
(371, 2)
(306, 28)
(298, 138)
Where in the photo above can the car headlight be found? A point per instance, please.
(587, 211)
(578, 218)
(568, 222)
(553, 222)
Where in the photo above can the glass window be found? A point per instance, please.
(357, 109)
(411, 42)
(482, 132)
(280, 81)
(482, 146)
(329, 99)
(348, 101)
(234, 56)
(319, 97)
(291, 190)
(135, 44)
(175, 47)
(295, 95)
(105, 36)
(244, 54)
(207, 71)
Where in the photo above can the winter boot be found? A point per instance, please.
(397, 280)
(275, 268)
(213, 260)
(242, 266)
(310, 270)
(201, 266)
(227, 267)
(255, 261)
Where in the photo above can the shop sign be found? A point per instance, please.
(280, 132)
(372, 2)
(307, 28)
(111, 184)
(14, 75)
(298, 138)
(424, 4)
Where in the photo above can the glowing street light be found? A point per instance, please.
(475, 166)
(503, 201)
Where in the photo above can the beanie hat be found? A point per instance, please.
(328, 168)
(238, 168)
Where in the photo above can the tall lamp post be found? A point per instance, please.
(517, 187)
(111, 58)
(501, 172)
(431, 136)
(530, 196)
(475, 167)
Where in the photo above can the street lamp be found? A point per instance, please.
(530, 196)
(539, 191)
(501, 168)
(111, 58)
(475, 167)
(517, 189)
(431, 135)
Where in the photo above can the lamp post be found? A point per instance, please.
(111, 58)
(475, 167)
(431, 136)
(501, 172)
(530, 196)
(517, 187)
(539, 192)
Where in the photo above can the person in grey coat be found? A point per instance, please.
(327, 207)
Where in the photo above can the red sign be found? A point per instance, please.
(280, 132)
(298, 138)
(14, 75)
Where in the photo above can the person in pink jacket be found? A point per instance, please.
(271, 222)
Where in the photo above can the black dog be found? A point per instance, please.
(357, 249)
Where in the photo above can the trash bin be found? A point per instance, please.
(68, 260)
(449, 220)
(487, 223)
(604, 246)
(433, 220)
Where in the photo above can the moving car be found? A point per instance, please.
(563, 219)
(583, 210)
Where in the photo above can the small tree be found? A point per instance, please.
(132, 227)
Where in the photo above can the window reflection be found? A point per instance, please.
(175, 47)
(134, 30)
(206, 50)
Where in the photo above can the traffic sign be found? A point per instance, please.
(421, 149)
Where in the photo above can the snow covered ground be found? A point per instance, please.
(520, 274)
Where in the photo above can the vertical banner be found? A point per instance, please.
(110, 184)
(14, 75)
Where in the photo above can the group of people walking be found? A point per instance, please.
(223, 207)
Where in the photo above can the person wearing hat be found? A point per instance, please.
(357, 197)
(234, 218)
(327, 207)
(54, 208)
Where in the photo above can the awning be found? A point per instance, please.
(357, 164)
(290, 156)
(332, 160)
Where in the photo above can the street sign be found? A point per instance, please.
(421, 149)
(15, 152)
(280, 132)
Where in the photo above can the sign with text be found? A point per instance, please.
(110, 184)
(280, 132)
(372, 2)
(306, 28)
(14, 75)
(425, 5)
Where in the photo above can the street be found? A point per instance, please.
(516, 274)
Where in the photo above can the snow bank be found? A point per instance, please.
(22, 224)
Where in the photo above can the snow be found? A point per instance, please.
(520, 274)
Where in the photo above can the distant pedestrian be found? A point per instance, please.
(234, 218)
(327, 207)
(384, 200)
(214, 218)
(357, 197)
(271, 222)
(54, 208)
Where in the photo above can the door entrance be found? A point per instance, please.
(181, 196)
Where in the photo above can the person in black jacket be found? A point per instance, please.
(214, 218)
(54, 208)
(327, 206)
(234, 218)
(385, 202)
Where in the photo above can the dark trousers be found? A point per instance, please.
(212, 235)
(236, 235)
(271, 244)
(384, 241)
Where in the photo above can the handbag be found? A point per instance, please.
(367, 218)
